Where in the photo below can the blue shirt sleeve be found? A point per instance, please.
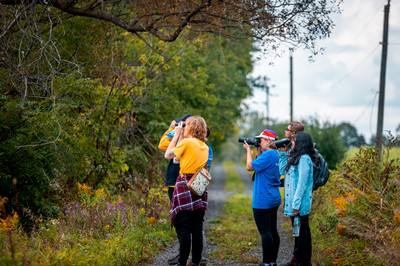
(210, 158)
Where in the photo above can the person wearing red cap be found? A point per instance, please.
(266, 195)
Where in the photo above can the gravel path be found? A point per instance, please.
(217, 197)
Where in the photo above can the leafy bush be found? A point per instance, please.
(356, 216)
(328, 140)
(26, 162)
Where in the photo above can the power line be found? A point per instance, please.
(363, 28)
(355, 68)
(372, 102)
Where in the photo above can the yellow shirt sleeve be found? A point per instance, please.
(164, 141)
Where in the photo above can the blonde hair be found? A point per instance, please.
(198, 127)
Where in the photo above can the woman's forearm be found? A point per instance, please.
(249, 167)
(169, 154)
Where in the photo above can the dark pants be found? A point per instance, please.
(302, 244)
(170, 193)
(266, 221)
(189, 228)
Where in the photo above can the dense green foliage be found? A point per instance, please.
(99, 105)
(328, 140)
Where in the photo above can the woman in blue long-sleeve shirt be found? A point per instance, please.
(266, 195)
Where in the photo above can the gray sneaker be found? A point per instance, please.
(173, 260)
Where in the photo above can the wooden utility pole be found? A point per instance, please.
(379, 140)
(291, 87)
(267, 100)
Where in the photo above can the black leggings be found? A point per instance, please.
(189, 228)
(302, 244)
(267, 226)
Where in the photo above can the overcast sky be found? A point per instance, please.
(342, 84)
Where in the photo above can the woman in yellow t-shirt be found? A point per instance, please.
(187, 210)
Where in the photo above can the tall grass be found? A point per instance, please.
(356, 216)
(96, 229)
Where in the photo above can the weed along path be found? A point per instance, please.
(217, 198)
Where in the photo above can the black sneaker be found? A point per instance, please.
(291, 263)
(173, 260)
(203, 262)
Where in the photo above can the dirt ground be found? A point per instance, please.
(217, 197)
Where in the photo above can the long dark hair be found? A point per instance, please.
(303, 145)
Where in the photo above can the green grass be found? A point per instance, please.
(233, 181)
(235, 233)
(394, 153)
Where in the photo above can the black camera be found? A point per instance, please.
(251, 141)
(256, 142)
(282, 142)
(177, 124)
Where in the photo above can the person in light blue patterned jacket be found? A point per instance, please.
(298, 193)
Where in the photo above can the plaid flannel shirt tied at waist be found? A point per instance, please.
(183, 199)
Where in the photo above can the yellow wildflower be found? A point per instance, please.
(350, 195)
(100, 193)
(396, 217)
(338, 261)
(151, 220)
(340, 203)
(9, 223)
(86, 188)
(340, 229)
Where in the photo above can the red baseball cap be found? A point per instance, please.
(267, 134)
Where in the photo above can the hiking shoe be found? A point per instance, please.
(203, 262)
(291, 263)
(173, 260)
